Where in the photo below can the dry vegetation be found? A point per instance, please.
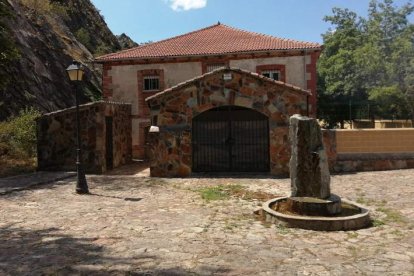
(18, 143)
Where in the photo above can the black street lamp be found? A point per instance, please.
(75, 72)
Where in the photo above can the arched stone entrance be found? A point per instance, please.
(230, 139)
(182, 111)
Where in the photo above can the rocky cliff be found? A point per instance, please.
(48, 35)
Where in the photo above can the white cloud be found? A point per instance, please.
(185, 5)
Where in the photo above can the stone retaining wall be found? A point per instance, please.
(56, 137)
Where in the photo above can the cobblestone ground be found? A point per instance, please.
(136, 225)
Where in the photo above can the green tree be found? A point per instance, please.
(340, 78)
(83, 37)
(368, 59)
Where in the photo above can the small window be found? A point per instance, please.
(272, 74)
(212, 67)
(151, 83)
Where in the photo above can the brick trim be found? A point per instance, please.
(276, 67)
(143, 109)
(311, 84)
(107, 91)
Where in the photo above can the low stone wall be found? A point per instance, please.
(56, 137)
(369, 149)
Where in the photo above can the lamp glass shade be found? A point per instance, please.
(75, 72)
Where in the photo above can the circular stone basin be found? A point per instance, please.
(352, 217)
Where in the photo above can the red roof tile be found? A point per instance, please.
(213, 40)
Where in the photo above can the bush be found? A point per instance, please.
(60, 10)
(83, 37)
(38, 6)
(18, 134)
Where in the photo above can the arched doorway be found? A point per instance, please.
(230, 139)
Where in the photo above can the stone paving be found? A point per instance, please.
(136, 225)
(23, 182)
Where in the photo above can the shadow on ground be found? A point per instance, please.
(134, 168)
(239, 175)
(123, 183)
(48, 252)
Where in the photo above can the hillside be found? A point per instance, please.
(48, 35)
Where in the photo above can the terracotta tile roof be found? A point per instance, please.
(213, 40)
(227, 70)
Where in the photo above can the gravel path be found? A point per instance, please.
(136, 225)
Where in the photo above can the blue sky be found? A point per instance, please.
(145, 20)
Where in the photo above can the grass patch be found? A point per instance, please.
(15, 166)
(352, 235)
(215, 193)
(377, 223)
(392, 215)
(222, 192)
(361, 199)
(282, 229)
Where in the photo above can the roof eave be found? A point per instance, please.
(320, 48)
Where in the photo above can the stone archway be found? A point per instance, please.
(230, 139)
(175, 110)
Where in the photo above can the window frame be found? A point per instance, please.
(271, 74)
(149, 78)
(211, 62)
(214, 66)
(273, 67)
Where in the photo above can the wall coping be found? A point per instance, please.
(374, 156)
(370, 129)
(82, 107)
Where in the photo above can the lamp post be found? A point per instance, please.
(75, 72)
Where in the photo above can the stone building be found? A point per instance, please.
(138, 73)
(105, 136)
(225, 120)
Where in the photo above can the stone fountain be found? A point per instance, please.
(311, 204)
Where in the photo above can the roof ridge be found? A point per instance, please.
(269, 36)
(160, 41)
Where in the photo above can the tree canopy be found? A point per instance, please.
(367, 62)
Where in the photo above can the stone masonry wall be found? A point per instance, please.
(56, 137)
(173, 110)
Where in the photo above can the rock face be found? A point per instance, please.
(309, 169)
(126, 42)
(47, 41)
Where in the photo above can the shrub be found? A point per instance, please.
(60, 10)
(83, 37)
(18, 134)
(38, 6)
(103, 49)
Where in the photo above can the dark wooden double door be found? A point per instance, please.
(230, 139)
